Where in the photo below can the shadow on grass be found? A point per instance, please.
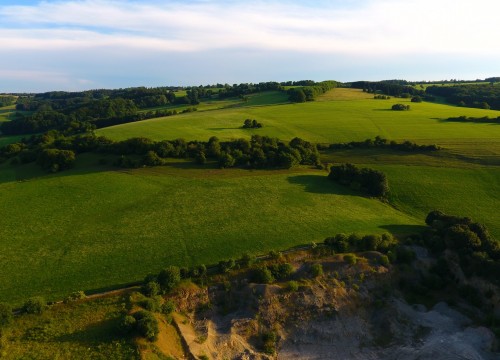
(225, 128)
(399, 229)
(94, 334)
(320, 185)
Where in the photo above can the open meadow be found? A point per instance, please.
(96, 227)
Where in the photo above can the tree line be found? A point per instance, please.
(379, 142)
(55, 152)
(484, 119)
(372, 182)
(310, 92)
(478, 96)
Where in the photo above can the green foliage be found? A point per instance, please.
(400, 107)
(316, 270)
(6, 314)
(269, 340)
(281, 271)
(151, 304)
(75, 296)
(168, 278)
(146, 325)
(167, 307)
(292, 286)
(54, 160)
(416, 99)
(351, 259)
(373, 182)
(35, 305)
(263, 275)
(151, 288)
(384, 260)
(127, 324)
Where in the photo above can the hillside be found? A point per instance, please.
(97, 226)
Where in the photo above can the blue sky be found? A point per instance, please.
(88, 44)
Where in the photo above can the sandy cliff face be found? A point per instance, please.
(342, 314)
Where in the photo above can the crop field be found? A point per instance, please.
(96, 227)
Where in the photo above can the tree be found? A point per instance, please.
(146, 324)
(297, 95)
(168, 278)
(416, 99)
(35, 305)
(55, 160)
(226, 160)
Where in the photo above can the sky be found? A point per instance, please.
(91, 44)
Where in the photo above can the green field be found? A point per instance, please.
(325, 122)
(84, 230)
(96, 227)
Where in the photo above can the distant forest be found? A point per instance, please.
(80, 112)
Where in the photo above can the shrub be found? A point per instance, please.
(269, 342)
(316, 270)
(263, 275)
(168, 307)
(151, 304)
(75, 296)
(292, 286)
(168, 278)
(281, 271)
(400, 107)
(416, 99)
(35, 305)
(5, 314)
(351, 259)
(146, 325)
(384, 261)
(151, 288)
(127, 324)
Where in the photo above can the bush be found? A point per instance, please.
(400, 107)
(146, 325)
(168, 307)
(263, 276)
(75, 296)
(384, 261)
(316, 270)
(35, 305)
(168, 278)
(416, 99)
(151, 288)
(281, 271)
(269, 342)
(351, 259)
(5, 314)
(151, 304)
(127, 324)
(292, 286)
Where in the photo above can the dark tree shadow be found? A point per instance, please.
(320, 185)
(402, 229)
(105, 331)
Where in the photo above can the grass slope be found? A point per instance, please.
(85, 230)
(325, 121)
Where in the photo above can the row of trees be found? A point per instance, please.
(382, 143)
(310, 92)
(55, 152)
(372, 182)
(6, 100)
(479, 96)
(398, 88)
(484, 119)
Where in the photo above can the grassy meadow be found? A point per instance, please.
(96, 226)
(82, 230)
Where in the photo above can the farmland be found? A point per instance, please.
(96, 226)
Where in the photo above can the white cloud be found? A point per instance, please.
(376, 28)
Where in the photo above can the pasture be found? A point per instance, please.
(91, 228)
(95, 227)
